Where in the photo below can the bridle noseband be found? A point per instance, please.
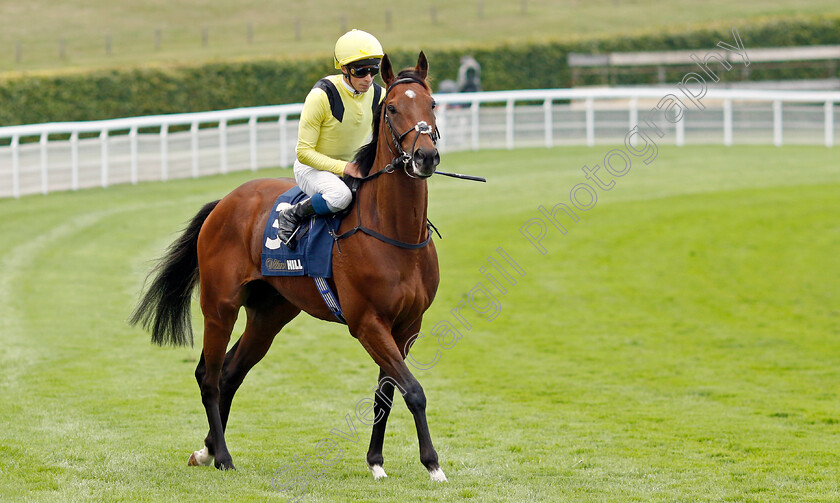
(401, 156)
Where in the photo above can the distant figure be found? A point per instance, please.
(447, 86)
(469, 75)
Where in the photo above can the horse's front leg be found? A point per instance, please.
(382, 401)
(376, 338)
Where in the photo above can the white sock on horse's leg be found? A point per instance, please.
(201, 458)
(437, 475)
(377, 471)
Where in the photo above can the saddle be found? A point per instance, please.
(313, 254)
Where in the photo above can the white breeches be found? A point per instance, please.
(331, 187)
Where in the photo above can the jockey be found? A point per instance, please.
(335, 122)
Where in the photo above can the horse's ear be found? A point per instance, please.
(422, 67)
(387, 71)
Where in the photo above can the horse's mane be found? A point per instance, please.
(367, 154)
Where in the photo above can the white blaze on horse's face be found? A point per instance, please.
(416, 148)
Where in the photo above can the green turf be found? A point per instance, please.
(679, 343)
(39, 26)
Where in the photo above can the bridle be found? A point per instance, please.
(401, 157)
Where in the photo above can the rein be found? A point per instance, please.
(403, 158)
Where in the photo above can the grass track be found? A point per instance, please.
(678, 344)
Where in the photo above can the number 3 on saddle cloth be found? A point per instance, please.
(313, 254)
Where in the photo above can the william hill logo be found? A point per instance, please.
(273, 264)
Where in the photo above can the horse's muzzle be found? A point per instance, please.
(425, 161)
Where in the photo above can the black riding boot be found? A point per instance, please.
(290, 218)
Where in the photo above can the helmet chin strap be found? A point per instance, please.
(346, 77)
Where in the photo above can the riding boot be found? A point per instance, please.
(289, 220)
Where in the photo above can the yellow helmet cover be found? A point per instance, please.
(356, 45)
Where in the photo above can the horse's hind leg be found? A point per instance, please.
(218, 324)
(204, 457)
(265, 320)
(267, 313)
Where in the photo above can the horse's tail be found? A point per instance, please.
(165, 308)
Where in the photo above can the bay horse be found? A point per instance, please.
(384, 283)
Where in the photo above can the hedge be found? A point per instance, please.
(216, 86)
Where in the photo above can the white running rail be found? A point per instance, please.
(43, 158)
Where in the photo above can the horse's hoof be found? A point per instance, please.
(437, 475)
(200, 458)
(225, 464)
(378, 472)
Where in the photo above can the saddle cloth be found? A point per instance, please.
(313, 254)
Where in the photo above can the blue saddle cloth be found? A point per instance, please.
(313, 254)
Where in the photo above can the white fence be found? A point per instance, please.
(42, 158)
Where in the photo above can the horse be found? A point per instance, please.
(386, 275)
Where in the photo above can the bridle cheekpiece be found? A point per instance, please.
(401, 157)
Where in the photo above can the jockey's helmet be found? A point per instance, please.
(357, 46)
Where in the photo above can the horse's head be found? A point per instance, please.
(408, 113)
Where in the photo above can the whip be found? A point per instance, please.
(463, 177)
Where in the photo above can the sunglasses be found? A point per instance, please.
(364, 71)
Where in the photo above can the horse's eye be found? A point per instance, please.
(392, 109)
(434, 105)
